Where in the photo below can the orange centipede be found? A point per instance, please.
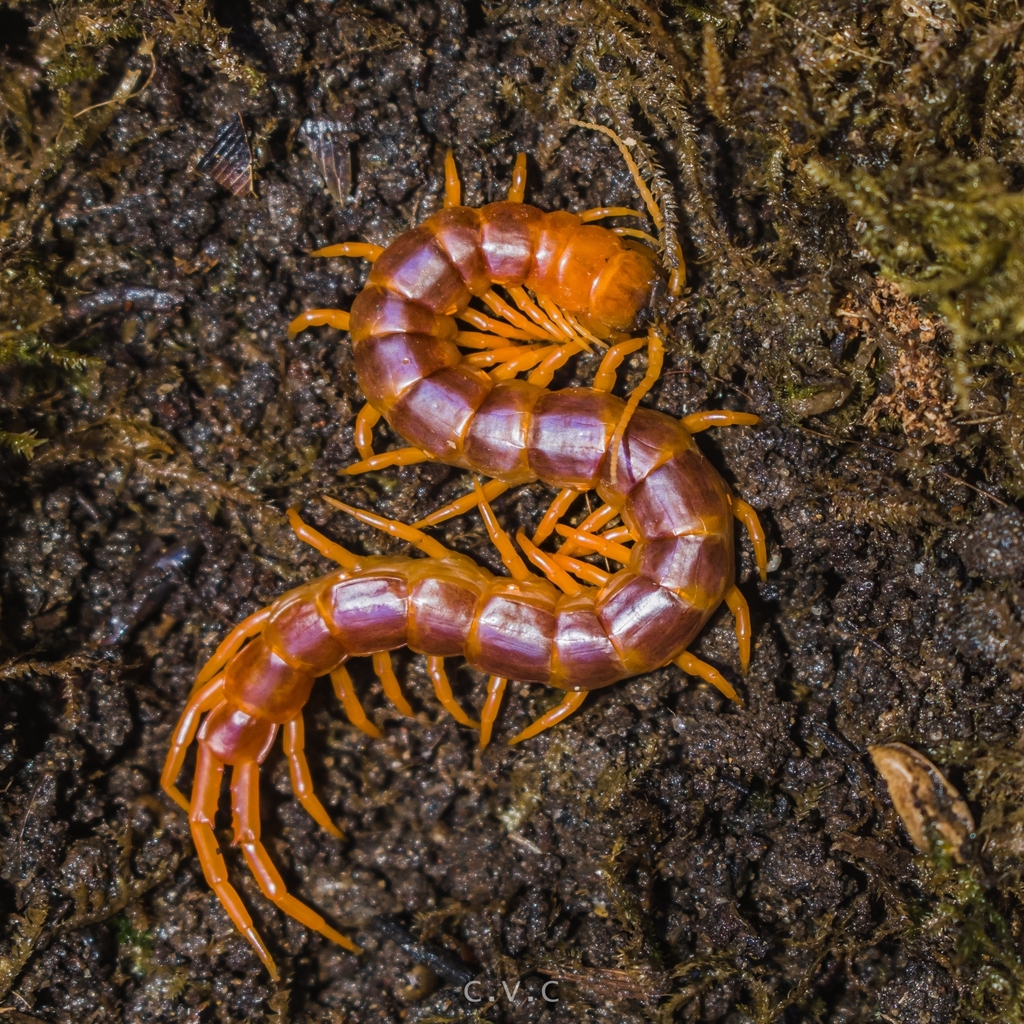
(456, 396)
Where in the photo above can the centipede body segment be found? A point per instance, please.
(571, 286)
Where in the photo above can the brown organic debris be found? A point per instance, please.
(331, 148)
(890, 320)
(229, 160)
(924, 799)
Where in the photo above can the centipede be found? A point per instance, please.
(470, 389)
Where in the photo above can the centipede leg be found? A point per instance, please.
(748, 517)
(604, 379)
(245, 803)
(319, 318)
(394, 528)
(655, 356)
(315, 539)
(230, 645)
(593, 542)
(302, 780)
(555, 511)
(346, 695)
(452, 185)
(367, 419)
(698, 421)
(741, 612)
(205, 797)
(201, 701)
(517, 190)
(389, 681)
(443, 689)
(547, 565)
(572, 700)
(501, 540)
(356, 250)
(492, 489)
(600, 212)
(489, 714)
(398, 457)
(693, 666)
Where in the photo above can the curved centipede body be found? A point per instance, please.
(575, 285)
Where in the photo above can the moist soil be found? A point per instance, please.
(663, 855)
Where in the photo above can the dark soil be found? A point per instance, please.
(664, 855)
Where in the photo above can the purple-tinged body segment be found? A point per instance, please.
(569, 435)
(513, 631)
(697, 567)
(648, 624)
(367, 613)
(264, 685)
(508, 240)
(234, 737)
(297, 633)
(650, 440)
(393, 363)
(585, 659)
(415, 266)
(437, 410)
(441, 611)
(496, 443)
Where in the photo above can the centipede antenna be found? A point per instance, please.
(492, 489)
(499, 538)
(645, 193)
(547, 565)
(655, 357)
(600, 212)
(570, 703)
(398, 457)
(517, 190)
(315, 539)
(489, 714)
(555, 511)
(452, 185)
(385, 672)
(426, 544)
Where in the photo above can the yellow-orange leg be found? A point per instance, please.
(394, 528)
(604, 379)
(698, 421)
(517, 190)
(555, 511)
(231, 644)
(542, 375)
(535, 313)
(547, 565)
(643, 236)
(566, 325)
(389, 681)
(524, 360)
(501, 308)
(593, 522)
(484, 323)
(748, 517)
(600, 212)
(357, 250)
(585, 571)
(398, 457)
(608, 548)
(302, 780)
(346, 694)
(501, 356)
(205, 797)
(367, 419)
(315, 539)
(500, 539)
(489, 714)
(655, 357)
(452, 185)
(492, 489)
(443, 689)
(245, 804)
(693, 666)
(199, 703)
(319, 318)
(741, 612)
(475, 339)
(572, 700)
